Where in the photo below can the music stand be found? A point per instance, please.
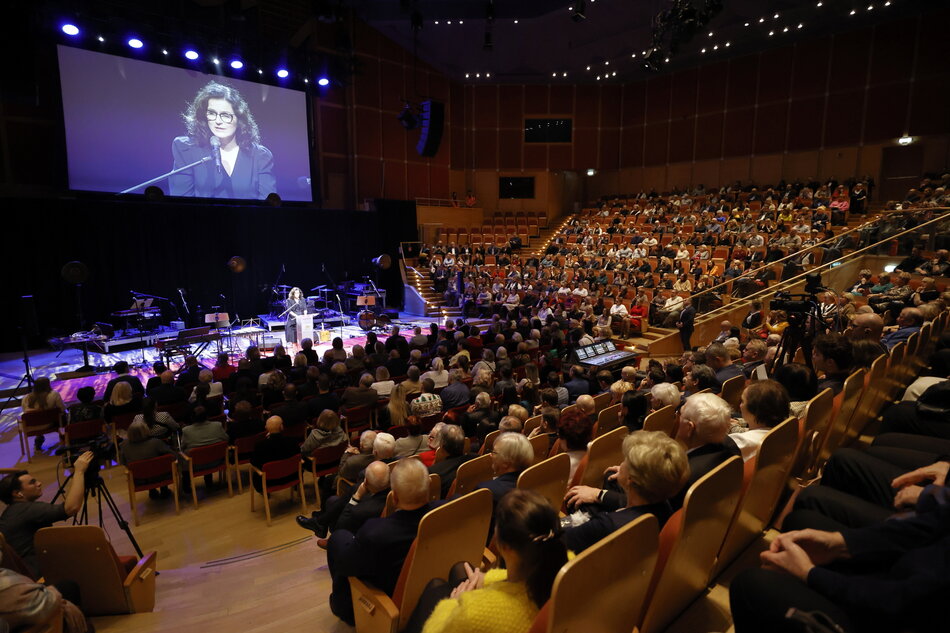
(220, 321)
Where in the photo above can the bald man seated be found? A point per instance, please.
(867, 326)
(376, 552)
(367, 502)
(274, 447)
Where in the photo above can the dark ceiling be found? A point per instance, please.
(611, 39)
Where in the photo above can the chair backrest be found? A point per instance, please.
(604, 588)
(42, 418)
(453, 532)
(870, 402)
(709, 506)
(732, 391)
(328, 456)
(815, 422)
(608, 419)
(762, 492)
(245, 445)
(77, 432)
(603, 452)
(488, 442)
(548, 478)
(601, 401)
(541, 445)
(83, 554)
(123, 421)
(146, 472)
(851, 396)
(531, 424)
(281, 468)
(662, 420)
(472, 473)
(213, 456)
(435, 487)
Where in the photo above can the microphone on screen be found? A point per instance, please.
(216, 152)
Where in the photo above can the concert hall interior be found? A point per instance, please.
(637, 309)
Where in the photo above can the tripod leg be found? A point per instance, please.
(104, 495)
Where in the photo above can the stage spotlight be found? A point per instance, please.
(283, 73)
(70, 29)
(215, 61)
(323, 81)
(237, 64)
(192, 55)
(135, 42)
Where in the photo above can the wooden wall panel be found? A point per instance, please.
(609, 150)
(682, 137)
(849, 60)
(658, 99)
(655, 146)
(737, 135)
(587, 107)
(743, 77)
(684, 94)
(775, 71)
(804, 123)
(709, 136)
(562, 99)
(886, 111)
(771, 123)
(511, 106)
(509, 149)
(712, 88)
(631, 146)
(810, 72)
(485, 106)
(535, 99)
(767, 169)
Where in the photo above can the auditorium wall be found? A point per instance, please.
(823, 107)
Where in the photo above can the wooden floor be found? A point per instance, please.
(221, 567)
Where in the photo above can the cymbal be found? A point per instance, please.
(318, 287)
(284, 287)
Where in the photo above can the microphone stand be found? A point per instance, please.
(340, 306)
(164, 176)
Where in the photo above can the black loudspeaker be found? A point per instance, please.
(28, 319)
(433, 120)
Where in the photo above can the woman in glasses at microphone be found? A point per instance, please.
(224, 141)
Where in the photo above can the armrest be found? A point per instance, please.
(373, 610)
(489, 560)
(184, 455)
(140, 584)
(256, 470)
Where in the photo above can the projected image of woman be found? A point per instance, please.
(220, 126)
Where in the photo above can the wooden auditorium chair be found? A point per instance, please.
(109, 584)
(275, 470)
(453, 532)
(608, 419)
(603, 589)
(549, 478)
(151, 474)
(325, 461)
(470, 474)
(732, 391)
(689, 543)
(604, 451)
(207, 460)
(662, 420)
(36, 424)
(239, 455)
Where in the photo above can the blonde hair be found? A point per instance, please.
(397, 407)
(657, 465)
(121, 394)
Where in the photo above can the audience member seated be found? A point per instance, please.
(167, 392)
(274, 447)
(480, 420)
(654, 469)
(223, 369)
(890, 576)
(29, 606)
(529, 539)
(908, 323)
(243, 421)
(189, 375)
(121, 368)
(719, 360)
(376, 552)
(160, 423)
(412, 444)
(42, 397)
(449, 454)
(832, 358)
(396, 411)
(158, 368)
(362, 396)
(801, 384)
(764, 404)
(356, 458)
(206, 377)
(438, 373)
(575, 430)
(292, 411)
(429, 403)
(753, 356)
(323, 399)
(326, 432)
(201, 432)
(511, 454)
(122, 401)
(25, 514)
(141, 445)
(578, 385)
(212, 407)
(85, 410)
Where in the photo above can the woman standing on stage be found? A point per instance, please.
(295, 305)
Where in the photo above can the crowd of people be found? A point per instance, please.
(437, 397)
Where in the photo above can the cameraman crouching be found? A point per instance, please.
(25, 514)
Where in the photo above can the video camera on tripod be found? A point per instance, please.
(102, 449)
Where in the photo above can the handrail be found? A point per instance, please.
(801, 276)
(752, 271)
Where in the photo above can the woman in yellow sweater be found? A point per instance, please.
(528, 536)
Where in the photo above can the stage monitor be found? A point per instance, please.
(129, 121)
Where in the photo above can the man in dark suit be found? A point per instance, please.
(375, 554)
(578, 385)
(480, 416)
(511, 454)
(362, 396)
(275, 447)
(449, 456)
(190, 375)
(366, 502)
(122, 370)
(397, 341)
(686, 324)
(292, 411)
(159, 368)
(167, 392)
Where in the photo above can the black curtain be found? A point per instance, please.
(158, 247)
(397, 224)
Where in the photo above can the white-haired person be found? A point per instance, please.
(376, 552)
(664, 395)
(654, 469)
(511, 454)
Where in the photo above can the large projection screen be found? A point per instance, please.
(125, 123)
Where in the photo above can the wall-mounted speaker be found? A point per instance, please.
(433, 120)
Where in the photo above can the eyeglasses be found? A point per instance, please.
(226, 117)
